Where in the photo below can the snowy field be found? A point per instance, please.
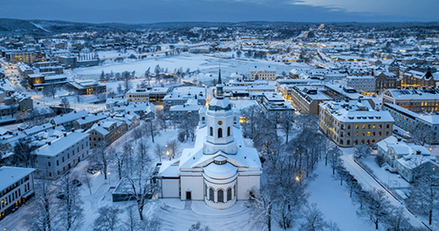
(207, 64)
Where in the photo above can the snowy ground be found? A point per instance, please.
(334, 202)
(206, 63)
(390, 179)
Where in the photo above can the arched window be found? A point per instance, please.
(220, 196)
(220, 132)
(211, 195)
(228, 131)
(211, 131)
(203, 118)
(229, 194)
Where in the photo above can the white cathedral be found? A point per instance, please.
(219, 170)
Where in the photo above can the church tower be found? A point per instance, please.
(220, 121)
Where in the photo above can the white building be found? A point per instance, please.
(220, 169)
(57, 157)
(190, 108)
(258, 73)
(181, 95)
(16, 187)
(362, 83)
(409, 160)
(354, 122)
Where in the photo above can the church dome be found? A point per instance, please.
(220, 171)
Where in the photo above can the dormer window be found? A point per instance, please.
(220, 160)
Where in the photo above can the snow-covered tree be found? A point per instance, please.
(24, 155)
(376, 208)
(100, 155)
(424, 196)
(108, 219)
(314, 221)
(69, 209)
(362, 151)
(334, 158)
(41, 217)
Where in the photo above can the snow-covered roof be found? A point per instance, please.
(10, 175)
(61, 144)
(64, 118)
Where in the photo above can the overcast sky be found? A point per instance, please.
(150, 11)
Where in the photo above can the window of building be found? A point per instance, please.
(48, 164)
(211, 131)
(220, 132)
(220, 195)
(229, 193)
(211, 194)
(228, 131)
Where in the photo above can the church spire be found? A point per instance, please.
(219, 87)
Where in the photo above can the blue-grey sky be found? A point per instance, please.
(150, 11)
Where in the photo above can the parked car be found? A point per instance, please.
(61, 195)
(94, 168)
(76, 182)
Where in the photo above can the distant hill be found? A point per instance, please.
(46, 27)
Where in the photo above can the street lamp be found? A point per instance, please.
(167, 154)
(109, 179)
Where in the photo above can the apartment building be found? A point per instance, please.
(417, 100)
(410, 121)
(62, 154)
(107, 131)
(16, 187)
(349, 123)
(364, 84)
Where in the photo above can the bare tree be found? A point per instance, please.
(132, 221)
(159, 151)
(88, 181)
(424, 195)
(287, 122)
(261, 204)
(314, 221)
(24, 153)
(173, 148)
(141, 188)
(334, 158)
(100, 155)
(41, 217)
(119, 158)
(65, 104)
(49, 91)
(143, 157)
(377, 207)
(108, 219)
(161, 118)
(199, 227)
(421, 135)
(397, 221)
(69, 207)
(362, 150)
